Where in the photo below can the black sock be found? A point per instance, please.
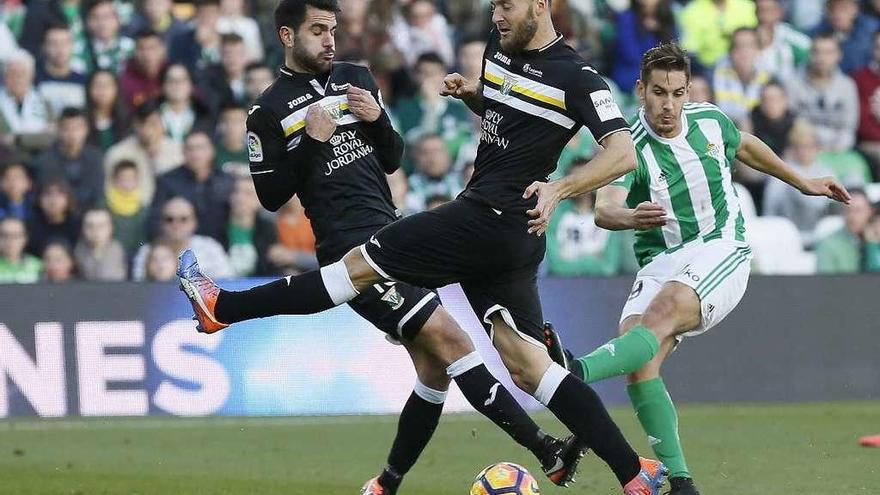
(417, 423)
(488, 396)
(301, 295)
(580, 409)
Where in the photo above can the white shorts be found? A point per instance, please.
(717, 270)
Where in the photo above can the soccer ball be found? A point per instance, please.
(505, 478)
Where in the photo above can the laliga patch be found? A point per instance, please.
(255, 147)
(605, 106)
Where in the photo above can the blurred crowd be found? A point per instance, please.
(122, 126)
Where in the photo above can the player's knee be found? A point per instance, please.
(525, 377)
(432, 373)
(443, 339)
(361, 273)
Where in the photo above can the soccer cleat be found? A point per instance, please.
(682, 486)
(650, 479)
(562, 466)
(558, 354)
(373, 487)
(201, 291)
(870, 441)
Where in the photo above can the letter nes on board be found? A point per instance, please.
(255, 147)
(605, 106)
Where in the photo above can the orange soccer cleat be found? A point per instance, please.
(650, 479)
(201, 291)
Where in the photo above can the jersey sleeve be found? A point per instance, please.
(590, 101)
(271, 164)
(386, 141)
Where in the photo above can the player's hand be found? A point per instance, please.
(319, 125)
(828, 187)
(363, 105)
(648, 215)
(457, 86)
(548, 199)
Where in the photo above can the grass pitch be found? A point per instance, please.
(732, 450)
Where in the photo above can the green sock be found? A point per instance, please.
(620, 356)
(660, 421)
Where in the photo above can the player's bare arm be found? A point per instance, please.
(470, 92)
(616, 158)
(757, 155)
(612, 213)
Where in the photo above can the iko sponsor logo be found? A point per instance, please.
(528, 69)
(299, 101)
(340, 87)
(347, 148)
(490, 129)
(688, 272)
(502, 58)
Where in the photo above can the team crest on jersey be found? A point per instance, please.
(334, 110)
(255, 148)
(507, 85)
(713, 150)
(393, 298)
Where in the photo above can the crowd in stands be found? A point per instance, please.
(123, 122)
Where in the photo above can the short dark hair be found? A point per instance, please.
(145, 110)
(668, 57)
(292, 13)
(146, 33)
(227, 38)
(90, 5)
(71, 113)
(826, 35)
(56, 25)
(430, 58)
(123, 165)
(256, 66)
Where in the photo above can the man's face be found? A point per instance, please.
(470, 58)
(842, 14)
(16, 182)
(150, 130)
(19, 78)
(244, 197)
(103, 22)
(233, 125)
(150, 54)
(774, 102)
(198, 151)
(234, 57)
(178, 220)
(178, 85)
(97, 227)
(257, 80)
(663, 96)
(430, 76)
(858, 214)
(314, 43)
(421, 13)
(13, 238)
(516, 21)
(58, 47)
(744, 50)
(433, 157)
(804, 149)
(157, 10)
(769, 12)
(824, 55)
(72, 132)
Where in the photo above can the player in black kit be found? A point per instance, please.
(534, 95)
(320, 132)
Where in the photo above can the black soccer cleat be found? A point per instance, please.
(559, 354)
(682, 486)
(561, 467)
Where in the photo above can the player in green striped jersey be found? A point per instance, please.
(690, 239)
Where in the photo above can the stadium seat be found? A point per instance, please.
(873, 191)
(778, 248)
(745, 201)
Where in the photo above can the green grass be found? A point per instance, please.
(752, 449)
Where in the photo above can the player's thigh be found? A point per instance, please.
(674, 310)
(399, 310)
(430, 370)
(721, 299)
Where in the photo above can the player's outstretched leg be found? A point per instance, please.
(308, 293)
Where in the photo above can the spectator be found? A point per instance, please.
(23, 110)
(98, 255)
(773, 118)
(428, 112)
(826, 97)
(646, 24)
(433, 175)
(853, 31)
(55, 217)
(576, 247)
(108, 48)
(470, 58)
(161, 263)
(74, 161)
(738, 80)
(700, 90)
(8, 44)
(250, 235)
(805, 15)
(868, 84)
(235, 21)
(57, 82)
(108, 121)
(436, 201)
(142, 79)
(200, 184)
(842, 251)
(422, 30)
(224, 83)
(296, 253)
(232, 155)
(178, 227)
(181, 111)
(257, 77)
(148, 147)
(199, 45)
(399, 185)
(784, 49)
(43, 14)
(125, 206)
(872, 244)
(157, 16)
(16, 192)
(707, 26)
(58, 262)
(782, 200)
(16, 266)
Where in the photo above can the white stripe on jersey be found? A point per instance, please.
(525, 82)
(697, 183)
(712, 130)
(523, 106)
(672, 230)
(300, 114)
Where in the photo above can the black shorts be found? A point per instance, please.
(399, 310)
(488, 252)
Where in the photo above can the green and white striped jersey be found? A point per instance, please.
(690, 176)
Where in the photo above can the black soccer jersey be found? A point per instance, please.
(342, 182)
(533, 103)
